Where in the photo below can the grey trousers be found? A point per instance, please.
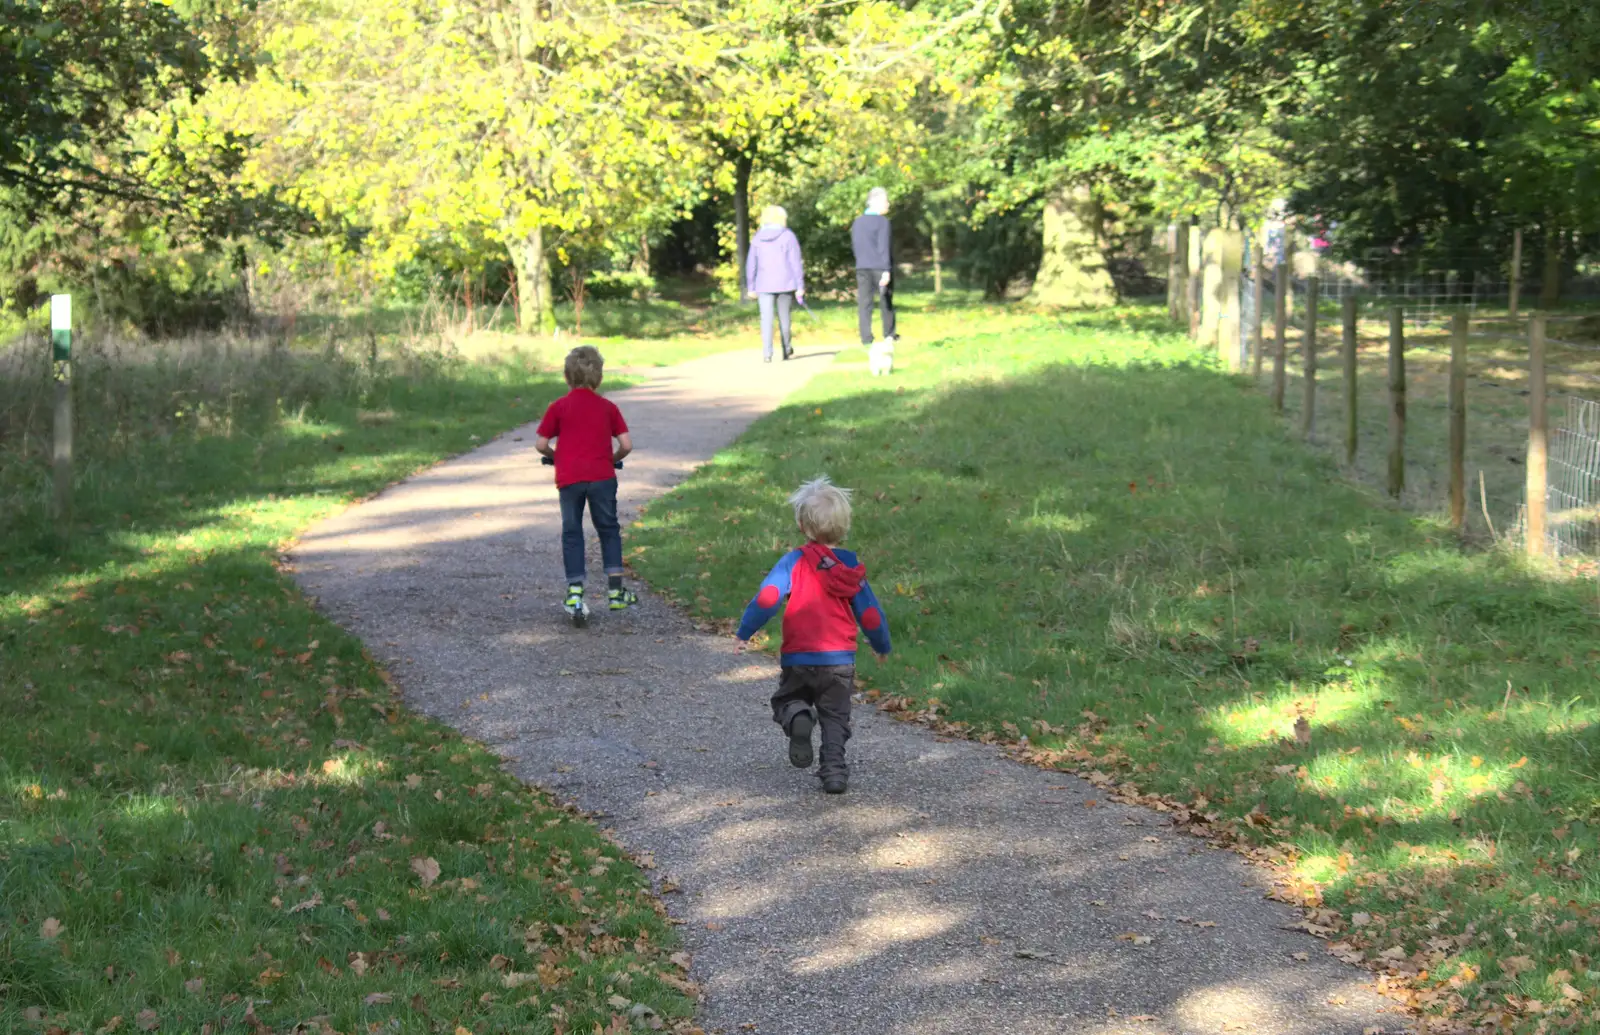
(778, 304)
(825, 691)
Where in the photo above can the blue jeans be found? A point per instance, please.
(774, 304)
(602, 500)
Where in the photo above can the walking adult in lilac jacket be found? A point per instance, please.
(775, 274)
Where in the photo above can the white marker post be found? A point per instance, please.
(61, 372)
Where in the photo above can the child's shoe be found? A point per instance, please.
(835, 783)
(575, 606)
(800, 728)
(621, 599)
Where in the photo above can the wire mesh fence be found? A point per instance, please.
(1373, 344)
(1574, 496)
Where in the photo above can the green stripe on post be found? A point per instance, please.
(61, 327)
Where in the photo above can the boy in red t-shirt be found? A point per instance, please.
(828, 597)
(585, 423)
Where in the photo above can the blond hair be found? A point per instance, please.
(774, 215)
(585, 367)
(822, 510)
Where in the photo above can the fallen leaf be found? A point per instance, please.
(619, 1002)
(358, 964)
(1519, 763)
(110, 1026)
(311, 903)
(1360, 919)
(1137, 939)
(1303, 957)
(1302, 732)
(713, 926)
(499, 962)
(194, 986)
(1514, 965)
(1142, 1018)
(516, 979)
(147, 1020)
(427, 870)
(378, 998)
(680, 960)
(51, 928)
(413, 781)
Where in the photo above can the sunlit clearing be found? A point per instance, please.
(1275, 717)
(1059, 522)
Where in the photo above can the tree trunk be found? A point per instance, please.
(938, 270)
(535, 305)
(1550, 283)
(743, 165)
(1073, 270)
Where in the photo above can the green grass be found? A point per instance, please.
(215, 813)
(1084, 535)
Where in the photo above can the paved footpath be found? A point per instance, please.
(951, 892)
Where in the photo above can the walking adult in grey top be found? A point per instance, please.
(775, 274)
(870, 235)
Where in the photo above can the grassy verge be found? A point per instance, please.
(214, 812)
(1086, 539)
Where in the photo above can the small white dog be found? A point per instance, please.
(880, 357)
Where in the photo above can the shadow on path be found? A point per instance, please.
(951, 891)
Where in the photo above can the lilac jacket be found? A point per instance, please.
(774, 265)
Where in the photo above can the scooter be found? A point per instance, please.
(580, 617)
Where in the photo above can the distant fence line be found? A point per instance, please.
(1455, 334)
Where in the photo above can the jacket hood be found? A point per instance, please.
(838, 579)
(771, 233)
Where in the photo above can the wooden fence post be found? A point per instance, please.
(1350, 399)
(1397, 402)
(1458, 422)
(1178, 272)
(1280, 327)
(1196, 279)
(1516, 270)
(1259, 299)
(1538, 441)
(61, 373)
(1308, 345)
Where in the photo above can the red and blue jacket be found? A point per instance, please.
(828, 597)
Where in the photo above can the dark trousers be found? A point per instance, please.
(774, 304)
(868, 292)
(601, 498)
(823, 691)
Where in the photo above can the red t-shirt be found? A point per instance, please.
(585, 423)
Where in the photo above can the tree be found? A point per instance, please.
(531, 122)
(101, 151)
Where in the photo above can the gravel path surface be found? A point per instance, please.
(951, 892)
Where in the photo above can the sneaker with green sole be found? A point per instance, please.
(621, 599)
(574, 605)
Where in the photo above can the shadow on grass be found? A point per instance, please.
(1139, 557)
